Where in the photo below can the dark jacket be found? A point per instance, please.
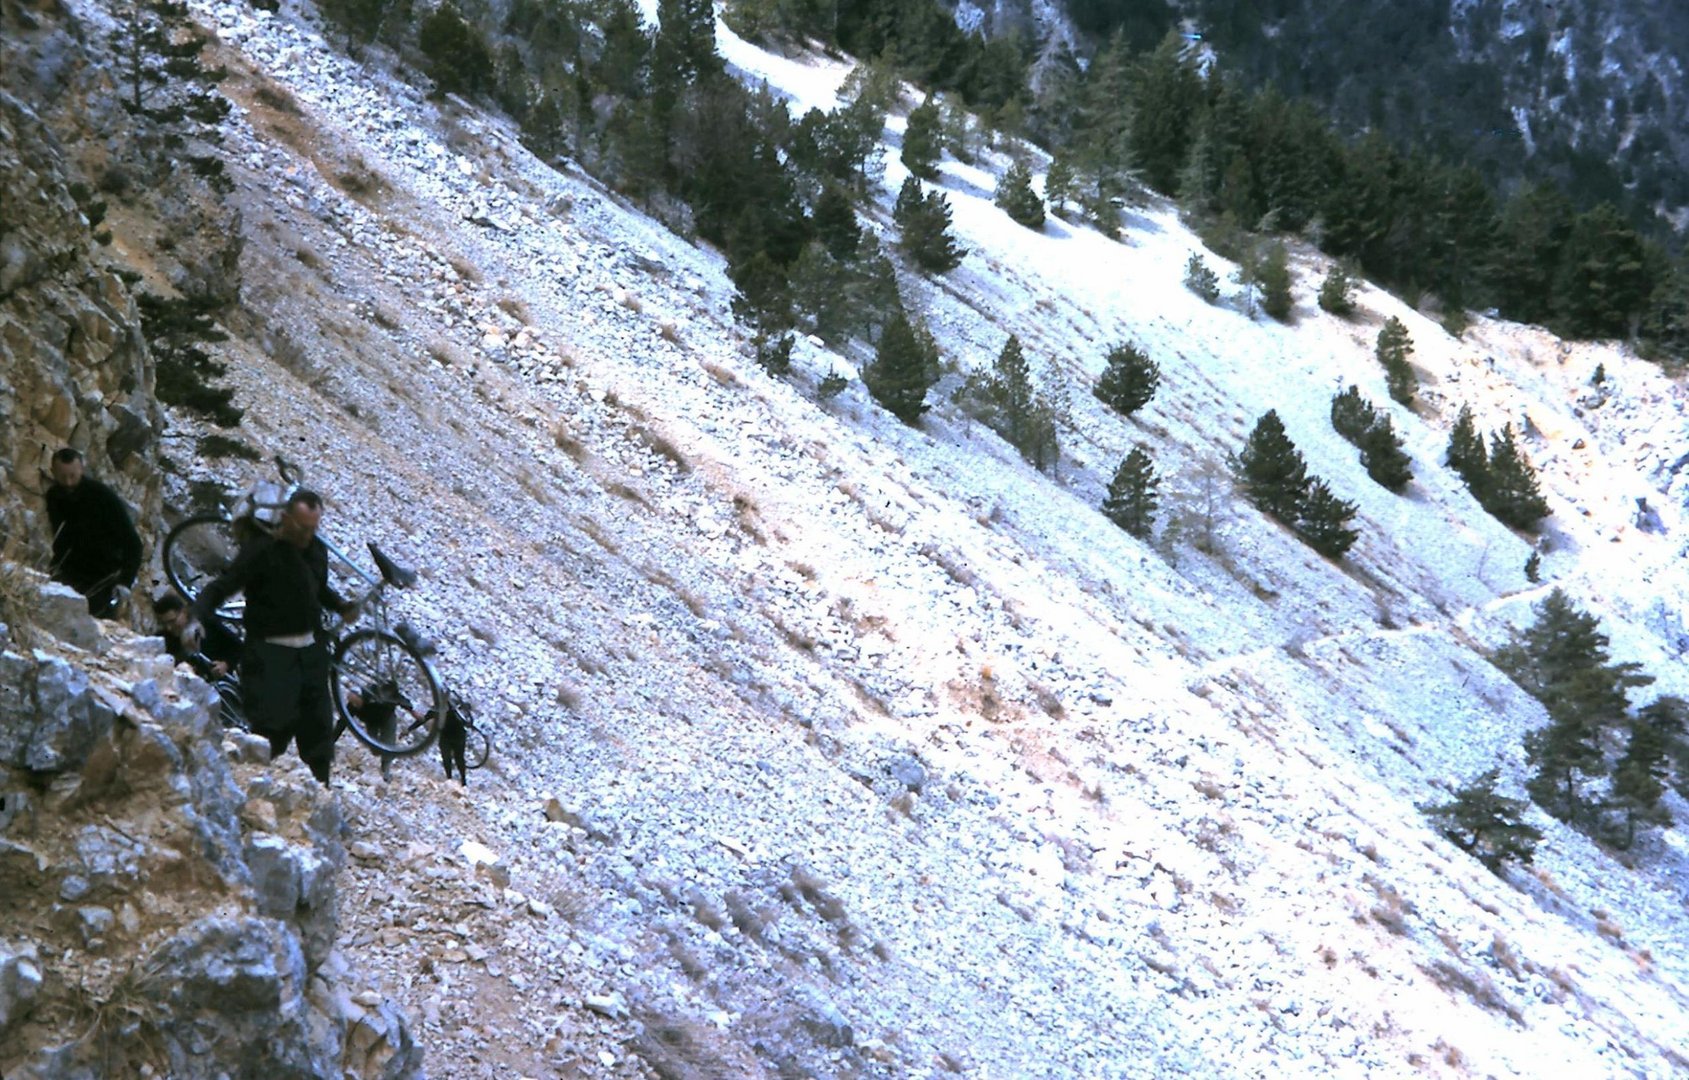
(92, 534)
(286, 589)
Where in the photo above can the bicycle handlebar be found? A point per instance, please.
(289, 471)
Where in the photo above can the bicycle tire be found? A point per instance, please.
(477, 748)
(369, 656)
(197, 550)
(230, 710)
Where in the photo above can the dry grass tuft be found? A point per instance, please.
(811, 888)
(361, 182)
(677, 1047)
(1392, 910)
(662, 446)
(273, 96)
(720, 374)
(1506, 958)
(1477, 986)
(466, 270)
(565, 440)
(516, 309)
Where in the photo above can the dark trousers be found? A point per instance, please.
(286, 696)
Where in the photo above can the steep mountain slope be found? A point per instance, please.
(877, 753)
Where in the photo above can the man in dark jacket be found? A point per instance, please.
(284, 667)
(219, 649)
(96, 550)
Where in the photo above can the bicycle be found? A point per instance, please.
(201, 547)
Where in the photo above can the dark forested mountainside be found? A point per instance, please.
(1587, 96)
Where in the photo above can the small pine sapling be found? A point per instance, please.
(923, 140)
(1274, 474)
(1129, 380)
(1337, 291)
(1133, 494)
(775, 356)
(1016, 197)
(1202, 280)
(1467, 455)
(1274, 277)
(1352, 415)
(1394, 347)
(831, 385)
(1059, 185)
(1324, 521)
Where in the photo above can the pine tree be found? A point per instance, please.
(683, 52)
(1639, 780)
(1273, 274)
(764, 296)
(362, 20)
(1467, 454)
(1129, 380)
(1605, 278)
(835, 224)
(1058, 185)
(158, 49)
(1510, 490)
(1337, 291)
(1324, 521)
(1275, 477)
(1374, 434)
(1352, 416)
(1393, 349)
(1007, 402)
(923, 140)
(177, 331)
(1017, 199)
(775, 356)
(1201, 280)
(1166, 93)
(1383, 457)
(1562, 660)
(902, 372)
(1484, 823)
(1669, 715)
(1133, 494)
(459, 61)
(924, 221)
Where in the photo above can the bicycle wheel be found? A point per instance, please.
(365, 659)
(196, 551)
(230, 710)
(477, 748)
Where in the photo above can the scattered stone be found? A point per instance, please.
(20, 982)
(63, 612)
(610, 1005)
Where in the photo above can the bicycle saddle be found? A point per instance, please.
(391, 572)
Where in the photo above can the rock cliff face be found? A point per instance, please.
(71, 350)
(170, 904)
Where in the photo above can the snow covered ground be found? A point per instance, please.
(883, 753)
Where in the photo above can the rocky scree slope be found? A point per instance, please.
(829, 747)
